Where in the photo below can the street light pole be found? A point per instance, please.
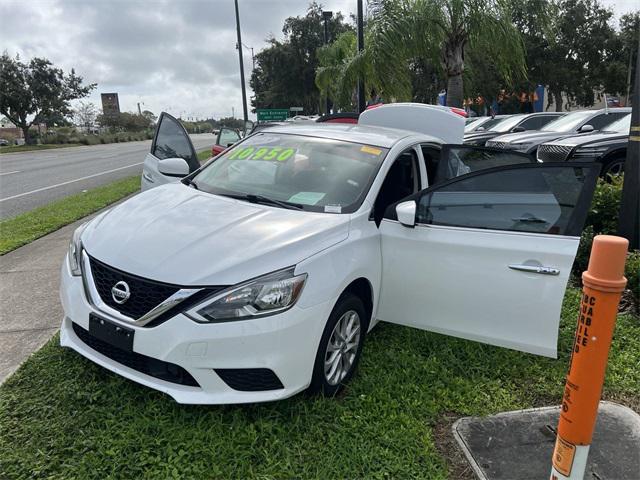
(326, 17)
(244, 92)
(360, 22)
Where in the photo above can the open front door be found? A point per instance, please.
(489, 256)
(170, 145)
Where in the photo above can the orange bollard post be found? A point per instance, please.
(603, 283)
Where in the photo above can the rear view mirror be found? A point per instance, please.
(174, 167)
(406, 212)
(586, 128)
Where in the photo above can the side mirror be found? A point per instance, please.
(173, 167)
(517, 129)
(586, 128)
(480, 129)
(406, 212)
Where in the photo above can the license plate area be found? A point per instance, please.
(111, 333)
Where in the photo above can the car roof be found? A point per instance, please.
(369, 135)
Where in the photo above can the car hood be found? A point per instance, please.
(484, 135)
(533, 137)
(176, 234)
(576, 140)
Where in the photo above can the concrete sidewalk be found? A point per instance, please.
(30, 310)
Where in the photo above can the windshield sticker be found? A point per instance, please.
(307, 198)
(332, 209)
(371, 150)
(270, 154)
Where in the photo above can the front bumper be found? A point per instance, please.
(286, 344)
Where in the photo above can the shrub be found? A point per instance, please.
(632, 272)
(605, 206)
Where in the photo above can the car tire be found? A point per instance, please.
(337, 360)
(613, 168)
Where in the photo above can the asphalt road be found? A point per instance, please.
(32, 179)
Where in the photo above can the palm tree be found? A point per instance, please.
(400, 32)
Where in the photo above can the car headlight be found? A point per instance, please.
(266, 295)
(590, 151)
(75, 251)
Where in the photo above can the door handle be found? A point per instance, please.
(541, 269)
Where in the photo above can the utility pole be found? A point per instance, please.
(629, 218)
(360, 25)
(139, 111)
(326, 16)
(244, 92)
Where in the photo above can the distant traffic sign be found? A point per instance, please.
(296, 109)
(272, 114)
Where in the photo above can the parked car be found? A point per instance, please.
(573, 123)
(259, 275)
(4, 143)
(512, 123)
(608, 147)
(483, 123)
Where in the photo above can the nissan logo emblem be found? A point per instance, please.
(120, 292)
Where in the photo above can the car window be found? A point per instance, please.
(568, 122)
(536, 122)
(622, 125)
(507, 124)
(599, 122)
(457, 160)
(523, 198)
(431, 157)
(172, 142)
(320, 174)
(228, 136)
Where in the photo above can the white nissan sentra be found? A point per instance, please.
(258, 275)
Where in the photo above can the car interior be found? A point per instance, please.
(402, 180)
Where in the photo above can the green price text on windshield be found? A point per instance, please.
(279, 154)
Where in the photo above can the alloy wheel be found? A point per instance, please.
(342, 347)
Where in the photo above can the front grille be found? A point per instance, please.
(499, 145)
(169, 372)
(553, 153)
(250, 379)
(144, 294)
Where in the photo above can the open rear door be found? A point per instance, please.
(489, 255)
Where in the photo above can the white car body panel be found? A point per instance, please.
(430, 120)
(176, 234)
(490, 303)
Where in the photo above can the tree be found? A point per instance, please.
(33, 91)
(150, 116)
(403, 32)
(578, 52)
(85, 114)
(285, 71)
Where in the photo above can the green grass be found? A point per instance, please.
(204, 155)
(26, 227)
(63, 417)
(27, 148)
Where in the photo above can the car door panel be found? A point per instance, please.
(488, 260)
(171, 140)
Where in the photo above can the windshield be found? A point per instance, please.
(507, 123)
(318, 174)
(622, 125)
(568, 123)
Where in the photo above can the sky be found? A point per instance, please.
(177, 56)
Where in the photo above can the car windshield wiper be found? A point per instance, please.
(190, 183)
(250, 197)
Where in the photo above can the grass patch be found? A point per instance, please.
(27, 148)
(204, 155)
(62, 416)
(26, 227)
